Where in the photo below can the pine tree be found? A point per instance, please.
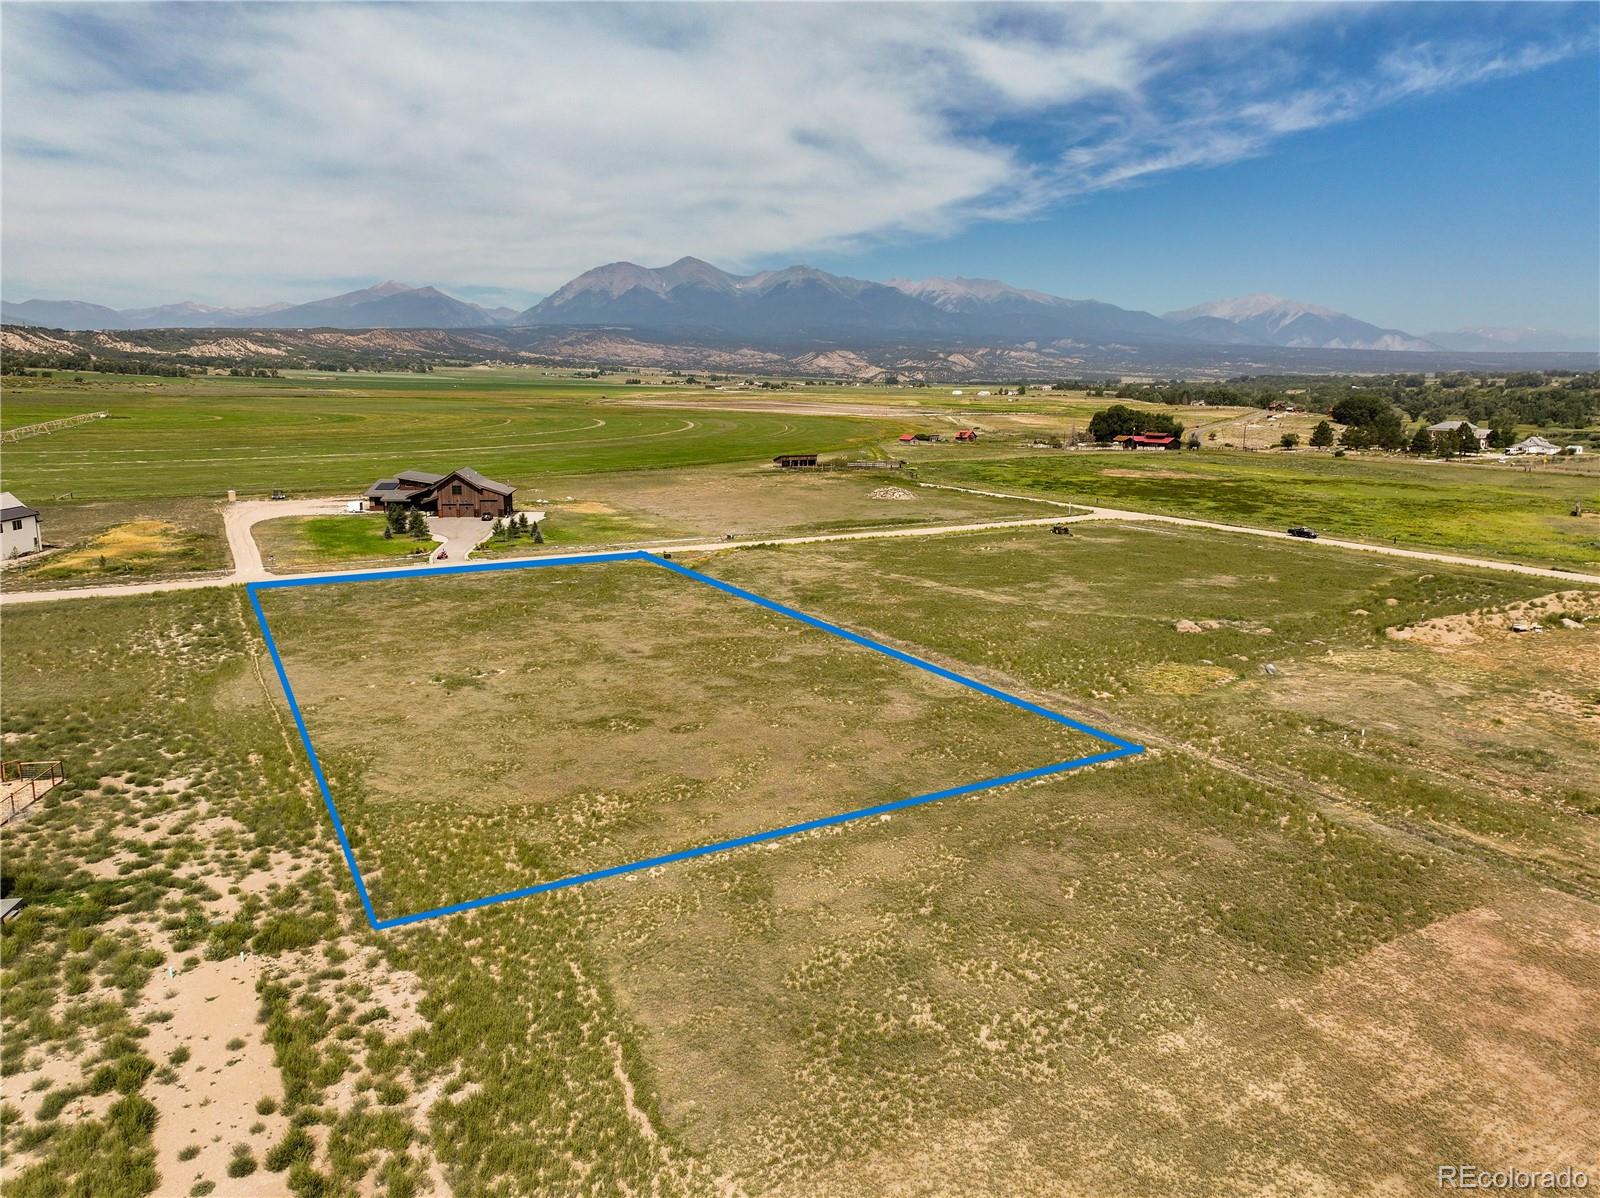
(1322, 435)
(1422, 440)
(417, 525)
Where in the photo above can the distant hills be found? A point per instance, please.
(387, 305)
(1518, 340)
(801, 304)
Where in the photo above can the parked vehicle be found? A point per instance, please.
(1304, 533)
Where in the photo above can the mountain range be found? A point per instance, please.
(387, 305)
(803, 304)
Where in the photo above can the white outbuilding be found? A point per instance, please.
(19, 527)
(1536, 446)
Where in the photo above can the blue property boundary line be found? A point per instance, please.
(1122, 748)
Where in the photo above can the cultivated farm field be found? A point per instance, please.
(1483, 510)
(205, 436)
(1335, 926)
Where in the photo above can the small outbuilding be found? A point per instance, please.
(795, 461)
(1147, 441)
(1535, 446)
(20, 529)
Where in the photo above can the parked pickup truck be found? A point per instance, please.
(1304, 533)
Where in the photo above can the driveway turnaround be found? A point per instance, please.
(458, 535)
(240, 518)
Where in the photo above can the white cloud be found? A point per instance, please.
(254, 152)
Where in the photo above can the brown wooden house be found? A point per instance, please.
(462, 492)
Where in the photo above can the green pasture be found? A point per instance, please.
(300, 541)
(203, 437)
(1493, 511)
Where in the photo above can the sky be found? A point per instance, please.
(1421, 166)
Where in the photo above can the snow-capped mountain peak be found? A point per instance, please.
(954, 294)
(1274, 320)
(1260, 305)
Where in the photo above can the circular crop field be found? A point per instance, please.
(204, 439)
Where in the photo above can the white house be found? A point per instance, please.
(1535, 445)
(19, 527)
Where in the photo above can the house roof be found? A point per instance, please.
(479, 481)
(1450, 426)
(12, 508)
(1149, 438)
(1534, 442)
(407, 484)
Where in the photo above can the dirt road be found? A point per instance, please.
(1088, 514)
(1423, 555)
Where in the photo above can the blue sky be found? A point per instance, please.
(1476, 206)
(1423, 166)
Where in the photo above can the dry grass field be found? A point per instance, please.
(1335, 927)
(625, 712)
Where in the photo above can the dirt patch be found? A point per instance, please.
(587, 507)
(1495, 623)
(211, 1104)
(135, 541)
(1119, 472)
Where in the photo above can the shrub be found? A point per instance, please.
(54, 1101)
(285, 932)
(134, 1117)
(296, 1147)
(243, 1162)
(131, 1071)
(306, 1182)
